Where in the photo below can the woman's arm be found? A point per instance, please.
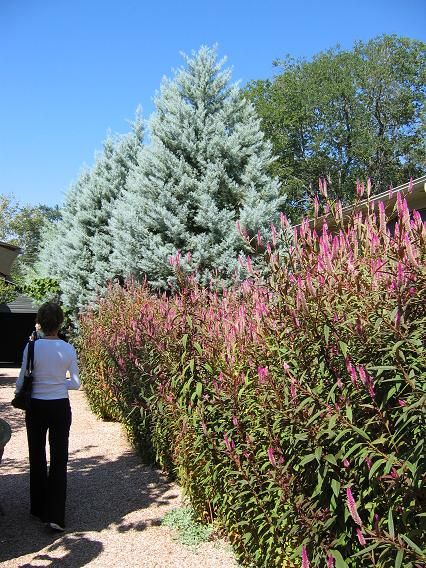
(73, 383)
(20, 379)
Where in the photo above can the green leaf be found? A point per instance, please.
(340, 563)
(390, 524)
(361, 432)
(198, 348)
(332, 422)
(335, 486)
(307, 459)
(365, 550)
(375, 467)
(399, 558)
(412, 545)
(326, 333)
(185, 340)
(199, 389)
(343, 348)
(349, 412)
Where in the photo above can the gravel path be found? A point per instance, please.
(115, 503)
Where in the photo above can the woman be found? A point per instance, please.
(50, 411)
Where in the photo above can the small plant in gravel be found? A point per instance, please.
(187, 529)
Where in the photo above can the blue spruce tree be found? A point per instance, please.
(205, 169)
(77, 252)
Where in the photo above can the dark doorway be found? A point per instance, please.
(17, 321)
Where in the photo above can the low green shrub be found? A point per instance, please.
(187, 529)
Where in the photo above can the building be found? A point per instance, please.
(414, 193)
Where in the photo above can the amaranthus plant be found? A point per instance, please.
(291, 408)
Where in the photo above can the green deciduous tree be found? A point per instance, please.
(25, 226)
(346, 115)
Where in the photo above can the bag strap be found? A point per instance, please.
(30, 357)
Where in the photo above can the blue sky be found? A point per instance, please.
(72, 70)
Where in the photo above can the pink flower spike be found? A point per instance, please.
(362, 374)
(262, 373)
(360, 537)
(259, 239)
(284, 221)
(346, 463)
(330, 561)
(350, 501)
(305, 559)
(354, 377)
(274, 235)
(271, 456)
(249, 265)
(316, 206)
(401, 402)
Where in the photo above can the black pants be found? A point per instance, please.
(48, 489)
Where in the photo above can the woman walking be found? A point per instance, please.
(50, 412)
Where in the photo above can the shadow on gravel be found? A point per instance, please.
(101, 493)
(76, 550)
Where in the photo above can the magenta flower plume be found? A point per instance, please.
(228, 443)
(271, 456)
(305, 559)
(350, 501)
(330, 561)
(316, 206)
(262, 373)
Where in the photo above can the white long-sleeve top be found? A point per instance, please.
(52, 359)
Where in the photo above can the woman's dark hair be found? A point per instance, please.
(50, 317)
